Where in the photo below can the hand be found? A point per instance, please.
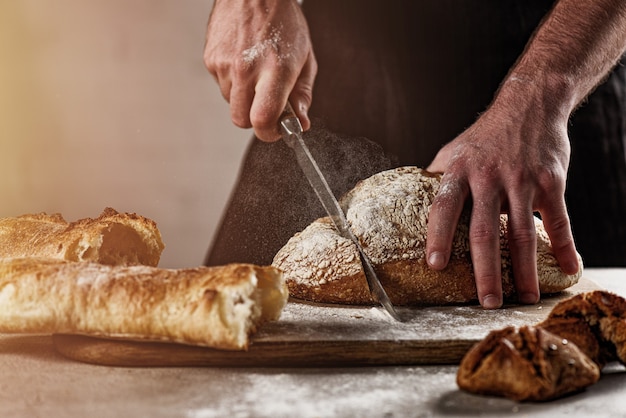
(261, 55)
(513, 159)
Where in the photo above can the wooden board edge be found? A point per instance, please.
(106, 352)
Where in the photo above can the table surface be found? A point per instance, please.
(36, 381)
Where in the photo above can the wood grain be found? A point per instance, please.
(313, 335)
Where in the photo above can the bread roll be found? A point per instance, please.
(388, 212)
(595, 322)
(210, 306)
(113, 238)
(562, 354)
(529, 364)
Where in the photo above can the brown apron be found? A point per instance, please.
(410, 76)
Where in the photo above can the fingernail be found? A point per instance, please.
(437, 260)
(303, 108)
(571, 268)
(529, 298)
(302, 113)
(491, 302)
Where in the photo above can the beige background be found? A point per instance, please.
(108, 103)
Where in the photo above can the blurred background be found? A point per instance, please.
(108, 103)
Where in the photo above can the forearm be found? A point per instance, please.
(573, 49)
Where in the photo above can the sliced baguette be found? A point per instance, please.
(112, 238)
(210, 306)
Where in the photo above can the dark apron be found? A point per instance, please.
(410, 76)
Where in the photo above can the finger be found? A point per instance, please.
(485, 249)
(243, 79)
(442, 220)
(522, 238)
(302, 93)
(272, 92)
(557, 225)
(241, 97)
(225, 85)
(441, 160)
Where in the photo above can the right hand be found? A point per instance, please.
(261, 55)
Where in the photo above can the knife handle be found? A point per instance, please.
(290, 126)
(288, 112)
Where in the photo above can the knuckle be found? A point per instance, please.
(559, 225)
(213, 64)
(522, 236)
(483, 234)
(305, 93)
(241, 68)
(262, 121)
(489, 174)
(209, 63)
(488, 281)
(558, 229)
(551, 180)
(562, 243)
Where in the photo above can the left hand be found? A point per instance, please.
(513, 159)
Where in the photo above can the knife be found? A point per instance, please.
(291, 130)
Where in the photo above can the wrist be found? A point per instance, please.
(549, 96)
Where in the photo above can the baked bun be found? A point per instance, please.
(595, 322)
(562, 354)
(113, 238)
(529, 364)
(210, 306)
(388, 212)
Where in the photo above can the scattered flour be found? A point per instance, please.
(271, 44)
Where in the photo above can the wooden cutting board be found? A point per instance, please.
(313, 335)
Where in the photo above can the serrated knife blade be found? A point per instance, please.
(291, 131)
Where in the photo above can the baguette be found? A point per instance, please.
(209, 306)
(388, 212)
(113, 238)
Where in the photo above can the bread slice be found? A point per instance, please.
(113, 238)
(209, 306)
(388, 212)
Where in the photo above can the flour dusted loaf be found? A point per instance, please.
(112, 238)
(388, 212)
(209, 306)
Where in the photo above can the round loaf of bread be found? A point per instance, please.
(388, 212)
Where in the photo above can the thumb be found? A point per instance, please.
(440, 162)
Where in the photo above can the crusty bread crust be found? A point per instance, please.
(562, 354)
(595, 321)
(112, 238)
(388, 212)
(210, 306)
(526, 364)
